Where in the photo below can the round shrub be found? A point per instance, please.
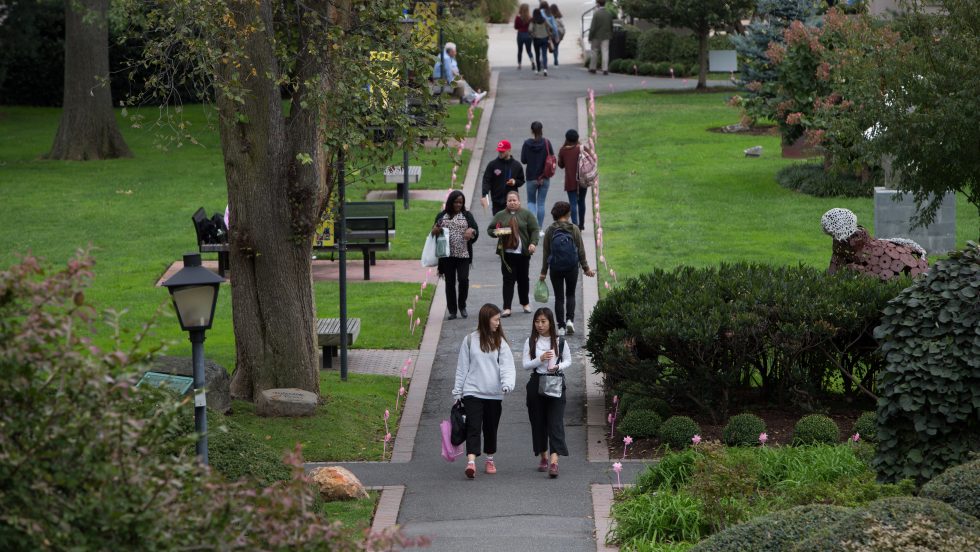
(677, 431)
(774, 532)
(639, 422)
(866, 426)
(958, 486)
(870, 527)
(816, 429)
(646, 68)
(743, 429)
(631, 401)
(662, 68)
(655, 45)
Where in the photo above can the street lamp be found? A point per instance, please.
(407, 26)
(194, 290)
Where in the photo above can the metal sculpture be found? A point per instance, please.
(856, 249)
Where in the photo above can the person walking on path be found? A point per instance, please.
(600, 33)
(534, 154)
(559, 28)
(564, 252)
(546, 353)
(516, 231)
(521, 23)
(540, 32)
(456, 267)
(502, 175)
(484, 374)
(568, 160)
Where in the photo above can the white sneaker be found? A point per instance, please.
(479, 96)
(541, 233)
(561, 332)
(569, 328)
(546, 72)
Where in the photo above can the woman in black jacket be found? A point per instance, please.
(456, 267)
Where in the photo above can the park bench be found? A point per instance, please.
(368, 234)
(199, 218)
(328, 337)
(395, 174)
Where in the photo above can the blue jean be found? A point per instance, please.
(556, 53)
(524, 43)
(536, 194)
(577, 201)
(541, 53)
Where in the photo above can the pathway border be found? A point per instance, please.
(602, 501)
(390, 501)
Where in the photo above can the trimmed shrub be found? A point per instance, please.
(816, 429)
(929, 391)
(632, 41)
(647, 68)
(958, 486)
(869, 528)
(812, 179)
(774, 532)
(677, 431)
(470, 36)
(742, 430)
(616, 65)
(684, 50)
(655, 45)
(866, 426)
(639, 422)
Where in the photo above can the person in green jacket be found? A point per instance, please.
(600, 33)
(516, 230)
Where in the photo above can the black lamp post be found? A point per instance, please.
(407, 25)
(194, 290)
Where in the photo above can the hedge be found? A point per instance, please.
(776, 532)
(470, 36)
(958, 486)
(813, 179)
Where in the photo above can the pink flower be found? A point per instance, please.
(608, 286)
(617, 467)
(610, 418)
(763, 438)
(627, 440)
(615, 399)
(856, 437)
(401, 391)
(411, 312)
(794, 118)
(696, 439)
(387, 437)
(424, 285)
(387, 414)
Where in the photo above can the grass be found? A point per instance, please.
(692, 198)
(356, 515)
(349, 426)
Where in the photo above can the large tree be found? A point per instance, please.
(701, 17)
(294, 84)
(88, 127)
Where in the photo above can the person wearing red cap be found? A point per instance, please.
(501, 175)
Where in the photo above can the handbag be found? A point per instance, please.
(429, 251)
(457, 418)
(550, 162)
(541, 292)
(449, 451)
(552, 385)
(442, 244)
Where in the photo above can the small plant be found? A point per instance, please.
(867, 427)
(677, 431)
(958, 486)
(639, 422)
(816, 429)
(633, 400)
(743, 430)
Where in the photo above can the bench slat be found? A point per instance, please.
(328, 331)
(396, 175)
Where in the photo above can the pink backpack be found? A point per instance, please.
(588, 167)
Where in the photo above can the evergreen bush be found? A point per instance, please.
(661, 69)
(929, 391)
(813, 179)
(677, 431)
(470, 36)
(816, 429)
(743, 430)
(958, 486)
(866, 426)
(639, 422)
(775, 532)
(655, 45)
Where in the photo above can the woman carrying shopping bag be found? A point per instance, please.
(516, 231)
(484, 374)
(456, 267)
(547, 356)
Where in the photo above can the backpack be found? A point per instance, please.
(563, 253)
(588, 168)
(550, 162)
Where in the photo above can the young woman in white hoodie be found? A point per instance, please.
(484, 374)
(546, 353)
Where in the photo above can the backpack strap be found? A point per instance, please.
(561, 349)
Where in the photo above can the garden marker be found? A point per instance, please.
(627, 441)
(617, 467)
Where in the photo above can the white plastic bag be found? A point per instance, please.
(429, 251)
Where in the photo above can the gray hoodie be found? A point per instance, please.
(484, 375)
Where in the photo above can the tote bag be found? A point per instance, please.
(429, 252)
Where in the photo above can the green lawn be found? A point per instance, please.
(691, 197)
(356, 515)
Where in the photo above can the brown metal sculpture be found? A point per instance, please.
(855, 249)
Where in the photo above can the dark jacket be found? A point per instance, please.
(533, 155)
(602, 24)
(576, 236)
(568, 160)
(471, 223)
(495, 180)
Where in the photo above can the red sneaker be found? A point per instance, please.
(543, 465)
(491, 468)
(471, 470)
(553, 470)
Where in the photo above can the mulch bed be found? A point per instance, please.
(752, 131)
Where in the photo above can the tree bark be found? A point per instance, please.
(703, 59)
(88, 127)
(274, 205)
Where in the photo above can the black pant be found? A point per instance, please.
(455, 269)
(564, 285)
(547, 416)
(518, 263)
(481, 414)
(541, 53)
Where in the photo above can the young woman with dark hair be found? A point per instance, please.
(484, 374)
(534, 153)
(540, 30)
(516, 231)
(546, 353)
(456, 267)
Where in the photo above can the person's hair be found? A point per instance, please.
(544, 6)
(552, 332)
(601, 2)
(452, 199)
(537, 17)
(515, 192)
(489, 341)
(568, 137)
(560, 209)
(524, 12)
(537, 129)
(555, 11)
(449, 46)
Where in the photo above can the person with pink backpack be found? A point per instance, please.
(576, 185)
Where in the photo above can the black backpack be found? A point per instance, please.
(563, 253)
(213, 230)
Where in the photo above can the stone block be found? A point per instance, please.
(287, 403)
(216, 378)
(893, 220)
(337, 483)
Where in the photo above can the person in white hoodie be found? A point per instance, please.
(546, 353)
(484, 374)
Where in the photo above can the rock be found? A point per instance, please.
(288, 402)
(754, 151)
(216, 379)
(337, 483)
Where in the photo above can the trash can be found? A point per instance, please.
(617, 45)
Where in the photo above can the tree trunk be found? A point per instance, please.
(703, 59)
(274, 202)
(88, 127)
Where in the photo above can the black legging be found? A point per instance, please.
(481, 415)
(519, 264)
(564, 285)
(454, 269)
(547, 416)
(524, 43)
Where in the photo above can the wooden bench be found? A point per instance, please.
(328, 336)
(373, 209)
(221, 249)
(396, 174)
(369, 234)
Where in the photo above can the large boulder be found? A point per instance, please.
(216, 379)
(286, 402)
(337, 483)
